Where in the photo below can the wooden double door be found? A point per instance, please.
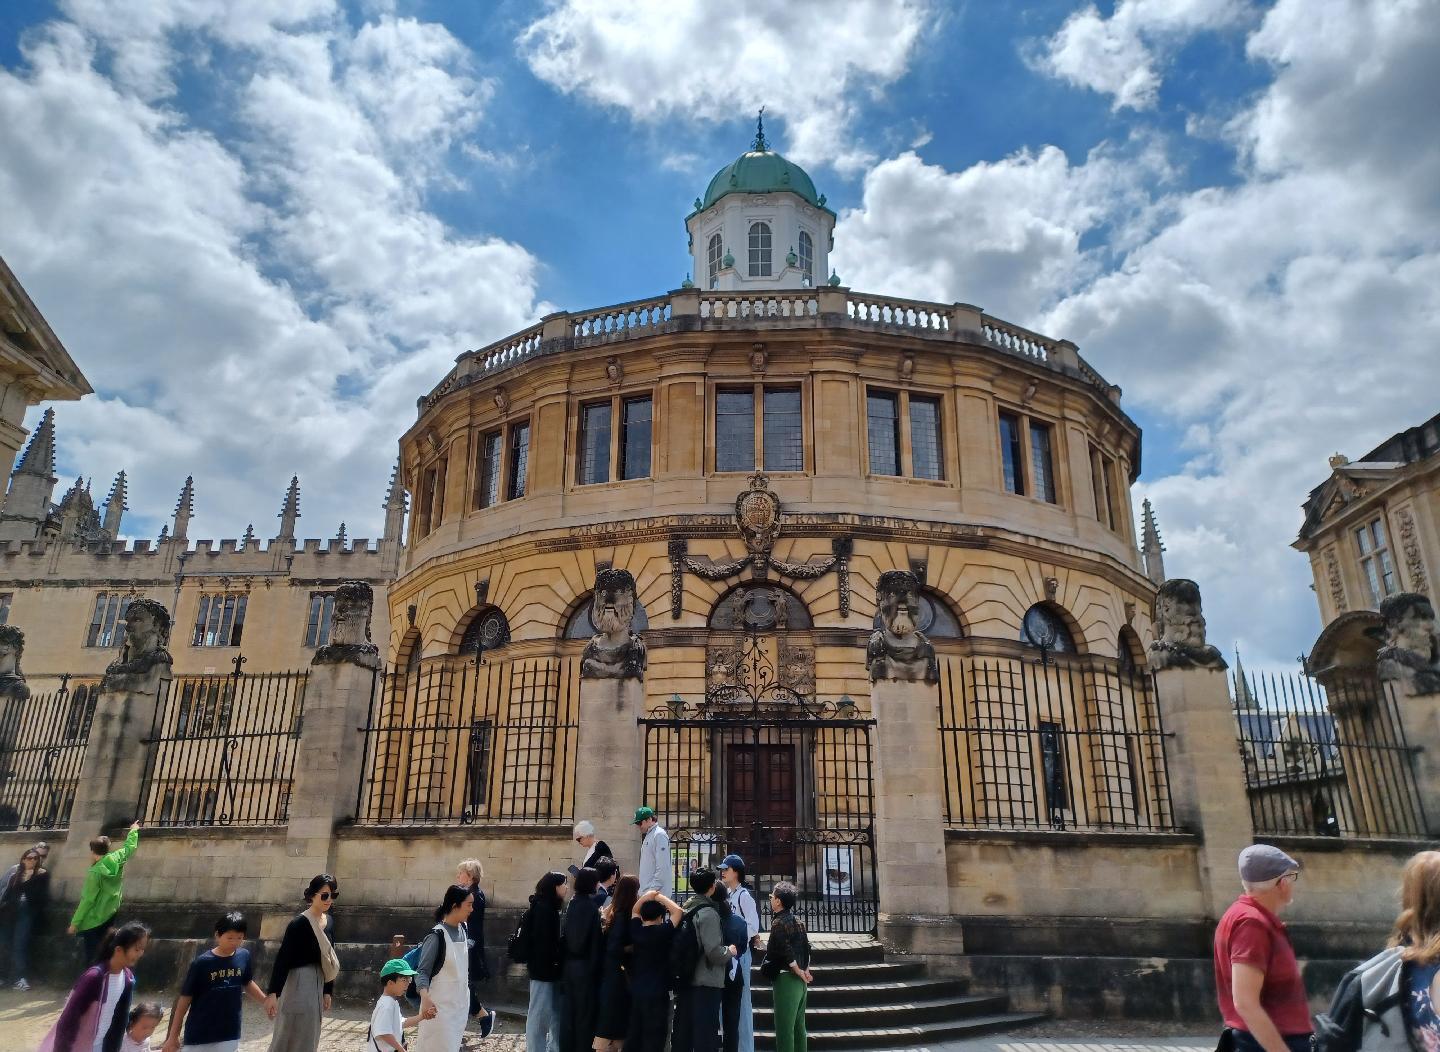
(761, 804)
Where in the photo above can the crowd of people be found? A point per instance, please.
(615, 962)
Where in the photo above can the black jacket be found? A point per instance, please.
(583, 936)
(599, 851)
(297, 949)
(544, 950)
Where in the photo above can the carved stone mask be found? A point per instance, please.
(613, 608)
(353, 603)
(898, 596)
(147, 628)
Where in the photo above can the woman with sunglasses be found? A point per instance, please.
(303, 977)
(22, 903)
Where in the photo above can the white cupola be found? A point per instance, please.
(760, 225)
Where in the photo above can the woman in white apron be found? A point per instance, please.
(445, 985)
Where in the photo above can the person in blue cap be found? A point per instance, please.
(739, 1015)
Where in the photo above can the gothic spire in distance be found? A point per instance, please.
(290, 511)
(1151, 547)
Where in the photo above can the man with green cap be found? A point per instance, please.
(656, 871)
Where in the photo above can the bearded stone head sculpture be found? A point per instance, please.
(614, 651)
(898, 650)
(1180, 629)
(1411, 654)
(12, 680)
(147, 634)
(350, 628)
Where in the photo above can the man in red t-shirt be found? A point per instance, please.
(1262, 997)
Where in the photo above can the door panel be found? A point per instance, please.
(760, 806)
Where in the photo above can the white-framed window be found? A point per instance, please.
(107, 624)
(760, 250)
(220, 621)
(807, 259)
(1375, 560)
(322, 611)
(713, 255)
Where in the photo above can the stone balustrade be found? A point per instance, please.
(691, 309)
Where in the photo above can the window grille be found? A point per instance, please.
(735, 431)
(759, 250)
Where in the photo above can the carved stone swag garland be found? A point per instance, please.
(757, 516)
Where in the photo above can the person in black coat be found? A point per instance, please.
(592, 846)
(584, 941)
(613, 1021)
(540, 932)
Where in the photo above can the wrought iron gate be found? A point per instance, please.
(783, 780)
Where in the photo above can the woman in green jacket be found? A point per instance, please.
(100, 897)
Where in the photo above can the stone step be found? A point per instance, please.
(870, 993)
(855, 973)
(899, 1013)
(873, 1039)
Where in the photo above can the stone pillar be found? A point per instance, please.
(611, 778)
(909, 775)
(112, 775)
(1409, 669)
(1207, 774)
(328, 758)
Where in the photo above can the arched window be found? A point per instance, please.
(937, 620)
(1129, 651)
(579, 625)
(487, 626)
(807, 259)
(760, 608)
(714, 254)
(1043, 627)
(759, 250)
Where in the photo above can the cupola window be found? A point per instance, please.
(807, 260)
(760, 253)
(714, 254)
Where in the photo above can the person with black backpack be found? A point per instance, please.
(1388, 1004)
(536, 944)
(699, 958)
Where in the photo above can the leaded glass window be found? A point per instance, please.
(784, 431)
(714, 254)
(635, 437)
(925, 449)
(1011, 453)
(107, 624)
(1042, 627)
(735, 431)
(595, 444)
(519, 460)
(487, 490)
(220, 621)
(317, 628)
(807, 259)
(1042, 465)
(1375, 560)
(882, 429)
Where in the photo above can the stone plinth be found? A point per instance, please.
(609, 773)
(1207, 776)
(113, 772)
(909, 802)
(1420, 716)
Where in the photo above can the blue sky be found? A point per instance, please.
(264, 228)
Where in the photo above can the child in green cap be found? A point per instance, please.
(388, 1022)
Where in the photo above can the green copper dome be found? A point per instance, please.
(760, 172)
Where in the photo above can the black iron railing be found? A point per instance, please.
(1326, 757)
(453, 740)
(222, 749)
(42, 747)
(1041, 740)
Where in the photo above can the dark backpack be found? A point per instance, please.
(1342, 1027)
(412, 958)
(737, 934)
(518, 948)
(685, 951)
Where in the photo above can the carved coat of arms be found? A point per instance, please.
(757, 514)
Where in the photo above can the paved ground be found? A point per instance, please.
(25, 1018)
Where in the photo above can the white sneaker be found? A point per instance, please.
(21, 985)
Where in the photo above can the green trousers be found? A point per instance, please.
(790, 996)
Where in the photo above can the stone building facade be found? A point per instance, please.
(69, 570)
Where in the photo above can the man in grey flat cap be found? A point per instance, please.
(1261, 994)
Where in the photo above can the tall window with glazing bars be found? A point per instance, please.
(220, 621)
(107, 623)
(774, 442)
